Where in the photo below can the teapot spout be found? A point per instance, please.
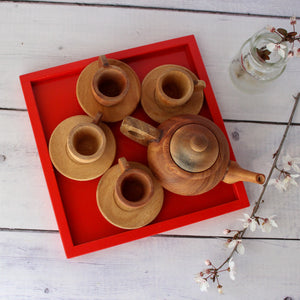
(236, 173)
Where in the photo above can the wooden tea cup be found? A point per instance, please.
(134, 187)
(175, 87)
(110, 83)
(86, 142)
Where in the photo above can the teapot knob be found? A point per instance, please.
(199, 143)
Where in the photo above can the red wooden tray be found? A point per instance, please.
(50, 98)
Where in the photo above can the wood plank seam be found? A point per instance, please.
(28, 230)
(12, 109)
(223, 237)
(179, 236)
(148, 8)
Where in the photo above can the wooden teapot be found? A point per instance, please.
(189, 154)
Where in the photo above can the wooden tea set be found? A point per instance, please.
(187, 154)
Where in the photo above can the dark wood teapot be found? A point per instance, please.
(189, 154)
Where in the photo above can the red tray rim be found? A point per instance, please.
(71, 250)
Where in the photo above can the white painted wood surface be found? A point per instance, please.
(44, 35)
(33, 266)
(38, 35)
(269, 7)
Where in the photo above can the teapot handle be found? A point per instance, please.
(140, 131)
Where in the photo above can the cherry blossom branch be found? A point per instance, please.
(251, 221)
(276, 155)
(274, 165)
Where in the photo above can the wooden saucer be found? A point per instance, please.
(159, 113)
(70, 168)
(114, 113)
(123, 218)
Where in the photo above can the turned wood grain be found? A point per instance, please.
(171, 90)
(188, 154)
(235, 173)
(134, 187)
(116, 207)
(79, 166)
(110, 84)
(170, 175)
(114, 102)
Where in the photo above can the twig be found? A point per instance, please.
(276, 156)
(277, 153)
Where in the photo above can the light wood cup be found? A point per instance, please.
(110, 84)
(171, 90)
(86, 143)
(128, 195)
(134, 187)
(82, 148)
(174, 88)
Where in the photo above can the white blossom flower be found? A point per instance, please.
(231, 269)
(239, 246)
(279, 184)
(270, 28)
(277, 47)
(249, 222)
(231, 243)
(282, 185)
(228, 241)
(290, 163)
(297, 52)
(289, 180)
(202, 282)
(268, 223)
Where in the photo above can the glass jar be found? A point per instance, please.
(249, 72)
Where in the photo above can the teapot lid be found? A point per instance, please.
(194, 148)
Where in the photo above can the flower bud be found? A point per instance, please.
(220, 290)
(208, 262)
(226, 231)
(293, 20)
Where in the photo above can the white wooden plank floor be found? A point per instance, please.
(42, 34)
